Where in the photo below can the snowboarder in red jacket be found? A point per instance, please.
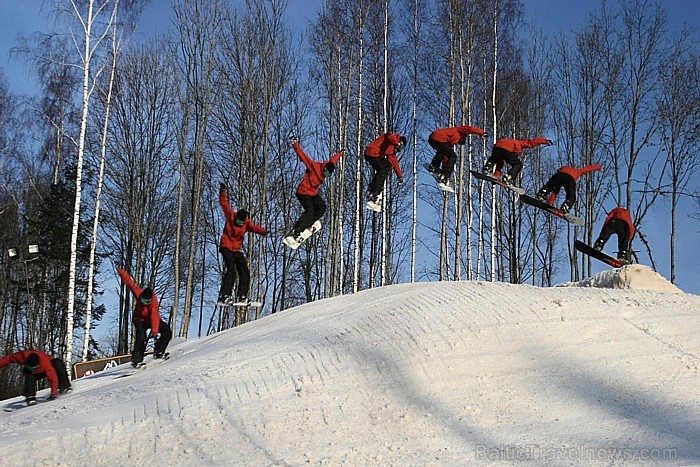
(443, 141)
(618, 222)
(564, 177)
(146, 315)
(381, 155)
(235, 262)
(37, 365)
(507, 151)
(307, 192)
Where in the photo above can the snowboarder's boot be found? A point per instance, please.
(30, 400)
(225, 300)
(488, 169)
(442, 179)
(565, 207)
(507, 179)
(624, 256)
(598, 245)
(65, 390)
(542, 195)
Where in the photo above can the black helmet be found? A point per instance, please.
(241, 216)
(146, 296)
(32, 362)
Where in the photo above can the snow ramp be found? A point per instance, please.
(633, 276)
(452, 373)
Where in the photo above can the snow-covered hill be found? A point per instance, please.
(455, 373)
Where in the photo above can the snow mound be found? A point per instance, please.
(633, 276)
(436, 374)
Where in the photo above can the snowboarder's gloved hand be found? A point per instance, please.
(157, 337)
(400, 180)
(549, 142)
(222, 187)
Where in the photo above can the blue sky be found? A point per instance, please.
(24, 17)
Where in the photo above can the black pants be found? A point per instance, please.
(559, 180)
(314, 209)
(381, 166)
(445, 157)
(141, 339)
(31, 379)
(511, 158)
(622, 230)
(235, 265)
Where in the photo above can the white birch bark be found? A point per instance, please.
(100, 181)
(86, 58)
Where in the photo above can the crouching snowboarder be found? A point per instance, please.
(618, 222)
(37, 365)
(146, 315)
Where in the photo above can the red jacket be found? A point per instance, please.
(624, 215)
(45, 368)
(385, 146)
(142, 313)
(232, 236)
(455, 135)
(516, 146)
(314, 171)
(575, 174)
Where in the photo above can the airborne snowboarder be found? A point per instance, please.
(508, 151)
(443, 141)
(564, 177)
(307, 194)
(618, 222)
(381, 155)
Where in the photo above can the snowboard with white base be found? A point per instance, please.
(295, 243)
(252, 304)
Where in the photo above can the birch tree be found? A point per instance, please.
(86, 19)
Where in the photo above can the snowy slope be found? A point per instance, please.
(454, 373)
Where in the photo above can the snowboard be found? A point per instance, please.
(442, 186)
(22, 404)
(599, 255)
(496, 181)
(556, 211)
(248, 304)
(141, 366)
(295, 243)
(226, 304)
(375, 206)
